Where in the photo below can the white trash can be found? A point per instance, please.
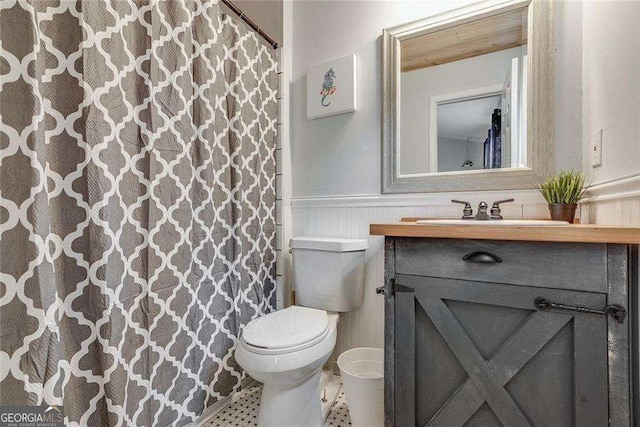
(362, 371)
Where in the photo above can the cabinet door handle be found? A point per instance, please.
(616, 311)
(482, 257)
(395, 287)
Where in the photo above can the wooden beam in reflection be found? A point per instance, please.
(479, 37)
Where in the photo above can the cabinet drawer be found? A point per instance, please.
(575, 266)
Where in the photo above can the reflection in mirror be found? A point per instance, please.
(468, 138)
(463, 100)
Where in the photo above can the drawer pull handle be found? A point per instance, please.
(482, 257)
(614, 310)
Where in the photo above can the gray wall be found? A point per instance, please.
(267, 14)
(452, 152)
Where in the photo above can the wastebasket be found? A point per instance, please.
(362, 371)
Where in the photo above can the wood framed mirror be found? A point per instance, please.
(468, 99)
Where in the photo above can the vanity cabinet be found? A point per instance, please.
(466, 343)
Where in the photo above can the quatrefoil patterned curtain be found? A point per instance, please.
(136, 205)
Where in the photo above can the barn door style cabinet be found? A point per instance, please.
(509, 333)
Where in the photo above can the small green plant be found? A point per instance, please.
(564, 187)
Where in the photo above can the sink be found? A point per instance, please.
(502, 222)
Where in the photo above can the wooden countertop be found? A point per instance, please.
(578, 233)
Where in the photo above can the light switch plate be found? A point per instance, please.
(596, 149)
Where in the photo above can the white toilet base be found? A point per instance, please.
(329, 390)
(297, 405)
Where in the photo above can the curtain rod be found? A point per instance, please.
(249, 22)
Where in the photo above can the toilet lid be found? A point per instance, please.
(286, 328)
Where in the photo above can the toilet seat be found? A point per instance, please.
(285, 331)
(286, 350)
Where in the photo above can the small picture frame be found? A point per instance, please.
(331, 88)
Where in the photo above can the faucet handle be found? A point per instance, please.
(495, 208)
(503, 201)
(467, 213)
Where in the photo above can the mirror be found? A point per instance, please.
(460, 111)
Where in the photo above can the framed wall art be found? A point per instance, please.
(331, 88)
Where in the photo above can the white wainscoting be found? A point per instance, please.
(350, 217)
(615, 202)
(622, 211)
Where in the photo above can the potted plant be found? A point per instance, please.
(562, 192)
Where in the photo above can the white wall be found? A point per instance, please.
(417, 87)
(284, 218)
(611, 74)
(341, 155)
(611, 91)
(336, 161)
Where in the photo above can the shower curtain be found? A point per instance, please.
(137, 202)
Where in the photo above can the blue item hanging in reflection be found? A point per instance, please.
(493, 143)
(496, 127)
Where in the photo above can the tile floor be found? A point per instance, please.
(243, 412)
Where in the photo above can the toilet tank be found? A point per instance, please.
(328, 273)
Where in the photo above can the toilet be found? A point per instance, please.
(286, 349)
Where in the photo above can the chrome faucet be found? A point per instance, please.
(482, 214)
(495, 208)
(467, 213)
